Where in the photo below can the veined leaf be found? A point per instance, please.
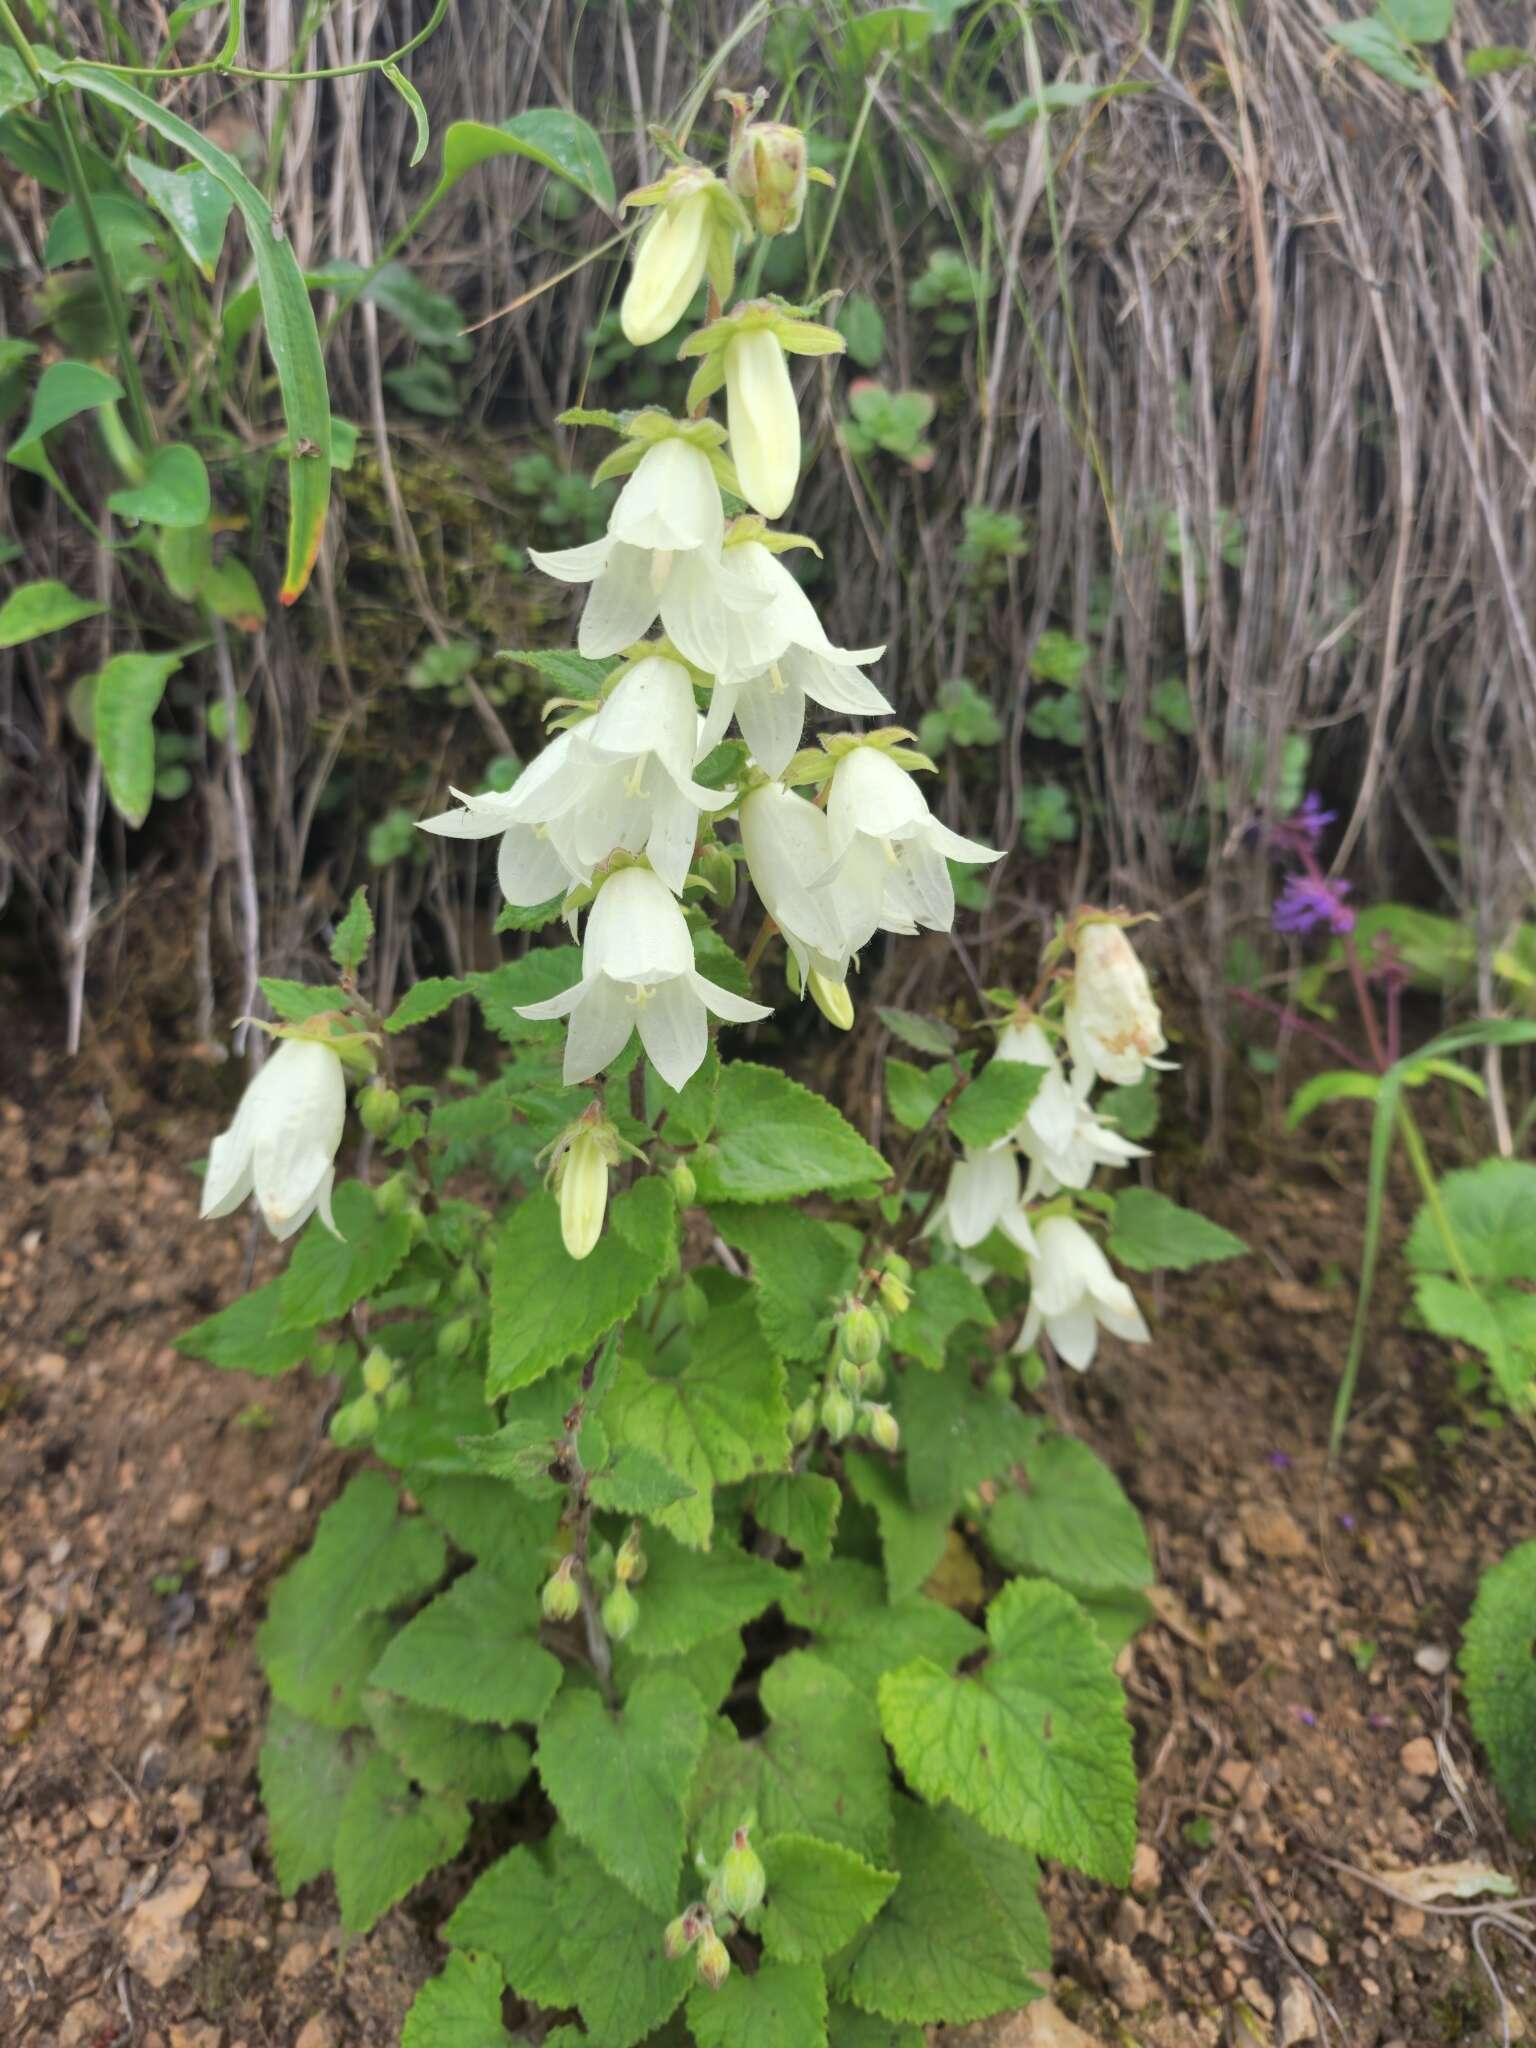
(39, 608)
(64, 391)
(125, 696)
(561, 142)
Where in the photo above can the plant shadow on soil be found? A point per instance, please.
(1292, 1703)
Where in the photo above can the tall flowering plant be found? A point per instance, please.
(716, 1491)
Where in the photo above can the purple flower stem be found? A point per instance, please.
(1394, 1019)
(1290, 1019)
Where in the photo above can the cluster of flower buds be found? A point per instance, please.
(620, 1609)
(384, 1390)
(846, 1406)
(1022, 1186)
(735, 1889)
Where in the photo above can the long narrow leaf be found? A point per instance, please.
(292, 336)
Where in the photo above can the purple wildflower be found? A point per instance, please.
(1280, 1460)
(1308, 901)
(1299, 834)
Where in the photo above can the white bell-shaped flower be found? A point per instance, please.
(1074, 1292)
(529, 864)
(777, 655)
(787, 844)
(1113, 1023)
(1064, 1140)
(762, 419)
(888, 851)
(669, 267)
(661, 557)
(282, 1143)
(983, 1195)
(638, 974)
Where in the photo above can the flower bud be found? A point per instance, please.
(712, 1962)
(561, 1597)
(837, 1414)
(763, 419)
(894, 1291)
(454, 1338)
(681, 1934)
(378, 1370)
(768, 169)
(880, 1425)
(583, 1177)
(831, 998)
(874, 1379)
(1000, 1381)
(714, 1898)
(850, 1375)
(392, 1195)
(379, 1108)
(684, 1185)
(629, 1565)
(859, 1333)
(719, 873)
(1113, 1024)
(621, 1610)
(397, 1395)
(743, 1879)
(354, 1422)
(670, 257)
(466, 1284)
(802, 1423)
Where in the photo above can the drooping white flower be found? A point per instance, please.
(983, 1195)
(282, 1143)
(777, 655)
(529, 864)
(787, 843)
(661, 557)
(762, 419)
(638, 974)
(581, 1175)
(1062, 1137)
(670, 256)
(1074, 1292)
(888, 851)
(1113, 1023)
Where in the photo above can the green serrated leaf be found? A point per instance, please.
(423, 1000)
(915, 1093)
(509, 1912)
(802, 1507)
(445, 1754)
(775, 1140)
(619, 1780)
(610, 1947)
(1069, 1520)
(327, 1273)
(847, 2027)
(459, 2009)
(943, 1300)
(781, 2005)
(388, 1839)
(1491, 1210)
(1498, 1661)
(543, 972)
(953, 1437)
(923, 1034)
(688, 1597)
(46, 607)
(861, 1636)
(801, 1270)
(354, 935)
(536, 1328)
(1151, 1234)
(573, 675)
(474, 1651)
(988, 1108)
(636, 1483)
(248, 1336)
(305, 1771)
(911, 1539)
(819, 1896)
(1035, 1745)
(295, 1001)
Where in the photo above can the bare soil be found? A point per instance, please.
(1298, 1718)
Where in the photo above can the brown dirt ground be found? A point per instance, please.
(147, 1503)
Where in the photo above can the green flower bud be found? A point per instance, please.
(455, 1338)
(837, 1413)
(894, 1291)
(874, 1380)
(561, 1597)
(850, 1376)
(378, 1370)
(466, 1284)
(397, 1395)
(621, 1610)
(416, 1222)
(391, 1197)
(681, 1934)
(743, 1879)
(379, 1108)
(714, 1898)
(629, 1564)
(354, 1422)
(712, 1962)
(859, 1333)
(880, 1425)
(684, 1185)
(832, 999)
(768, 169)
(802, 1423)
(1000, 1380)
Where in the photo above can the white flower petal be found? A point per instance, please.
(228, 1181)
(636, 932)
(771, 714)
(674, 1029)
(836, 685)
(982, 1188)
(671, 501)
(726, 1004)
(693, 610)
(955, 847)
(621, 607)
(574, 565)
(599, 1030)
(674, 832)
(529, 867)
(763, 420)
(1075, 1335)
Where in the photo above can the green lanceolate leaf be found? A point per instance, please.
(509, 1913)
(354, 935)
(473, 1652)
(819, 1896)
(424, 1000)
(388, 1838)
(38, 608)
(125, 696)
(1498, 1661)
(459, 2009)
(195, 204)
(305, 1774)
(413, 100)
(174, 491)
(775, 1140)
(619, 1780)
(1035, 1744)
(1151, 1234)
(561, 142)
(781, 2005)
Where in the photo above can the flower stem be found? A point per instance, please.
(1304, 1024)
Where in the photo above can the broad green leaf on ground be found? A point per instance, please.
(1068, 1519)
(962, 1936)
(492, 1523)
(610, 1948)
(174, 491)
(305, 1771)
(1499, 1321)
(125, 696)
(327, 1274)
(248, 1335)
(535, 1327)
(459, 2009)
(1491, 1209)
(911, 1539)
(818, 1769)
(781, 2005)
(323, 1617)
(1375, 43)
(709, 1667)
(802, 1507)
(819, 1896)
(992, 1105)
(843, 1604)
(424, 999)
(619, 1780)
(473, 1652)
(686, 1597)
(509, 1913)
(37, 608)
(712, 1405)
(1498, 1661)
(193, 201)
(561, 142)
(847, 2027)
(444, 1754)
(801, 1270)
(775, 1140)
(943, 1299)
(954, 1438)
(388, 1838)
(1149, 1233)
(1035, 1744)
(64, 391)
